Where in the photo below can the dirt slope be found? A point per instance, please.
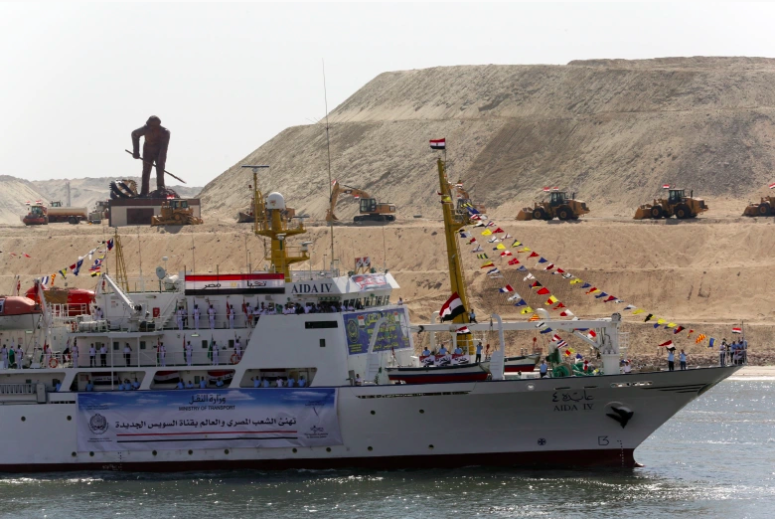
(611, 130)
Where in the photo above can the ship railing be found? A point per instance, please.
(68, 311)
(17, 389)
(147, 358)
(313, 275)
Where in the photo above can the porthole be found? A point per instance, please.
(295, 450)
(226, 451)
(91, 454)
(422, 411)
(373, 412)
(73, 454)
(69, 418)
(430, 446)
(154, 453)
(190, 452)
(370, 448)
(24, 418)
(328, 449)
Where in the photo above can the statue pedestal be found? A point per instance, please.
(139, 211)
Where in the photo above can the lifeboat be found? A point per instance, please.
(77, 299)
(18, 313)
(521, 364)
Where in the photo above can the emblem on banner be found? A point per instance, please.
(98, 424)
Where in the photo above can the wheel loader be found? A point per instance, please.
(559, 205)
(766, 207)
(176, 212)
(677, 203)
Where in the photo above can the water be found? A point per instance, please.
(714, 459)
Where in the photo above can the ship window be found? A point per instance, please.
(204, 344)
(231, 343)
(322, 343)
(142, 345)
(115, 345)
(311, 325)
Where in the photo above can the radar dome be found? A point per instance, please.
(275, 201)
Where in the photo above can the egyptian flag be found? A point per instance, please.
(737, 330)
(463, 330)
(438, 144)
(452, 308)
(666, 344)
(665, 186)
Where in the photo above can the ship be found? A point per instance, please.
(289, 369)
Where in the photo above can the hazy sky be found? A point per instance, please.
(76, 79)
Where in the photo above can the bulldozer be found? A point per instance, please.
(676, 203)
(175, 211)
(370, 209)
(766, 207)
(559, 205)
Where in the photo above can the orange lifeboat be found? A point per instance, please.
(18, 312)
(77, 299)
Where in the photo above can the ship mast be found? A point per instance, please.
(269, 221)
(453, 222)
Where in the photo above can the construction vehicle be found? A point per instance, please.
(39, 214)
(464, 199)
(370, 209)
(766, 207)
(176, 212)
(676, 203)
(101, 211)
(559, 205)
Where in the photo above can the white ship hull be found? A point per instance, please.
(560, 422)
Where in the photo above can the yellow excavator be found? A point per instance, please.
(464, 199)
(176, 212)
(766, 207)
(371, 211)
(559, 205)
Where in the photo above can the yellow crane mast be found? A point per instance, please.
(454, 220)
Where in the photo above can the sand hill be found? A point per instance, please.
(14, 194)
(612, 130)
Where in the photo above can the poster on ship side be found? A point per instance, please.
(201, 419)
(393, 333)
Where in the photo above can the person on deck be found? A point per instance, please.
(682, 360)
(670, 360)
(196, 317)
(202, 383)
(442, 350)
(722, 353)
(4, 357)
(19, 357)
(180, 385)
(74, 355)
(425, 352)
(135, 384)
(179, 317)
(302, 381)
(291, 381)
(219, 383)
(358, 381)
(189, 354)
(458, 351)
(478, 352)
(211, 315)
(627, 367)
(92, 356)
(189, 385)
(543, 368)
(104, 356)
(89, 385)
(231, 316)
(265, 383)
(256, 381)
(127, 353)
(238, 349)
(215, 353)
(472, 316)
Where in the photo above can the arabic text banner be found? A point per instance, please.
(188, 419)
(392, 334)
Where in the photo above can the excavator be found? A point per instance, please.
(371, 210)
(559, 205)
(677, 203)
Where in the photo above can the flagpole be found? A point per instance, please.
(328, 146)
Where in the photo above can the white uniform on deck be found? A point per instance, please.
(162, 354)
(215, 352)
(19, 357)
(238, 349)
(180, 318)
(196, 317)
(231, 316)
(3, 357)
(189, 353)
(211, 314)
(74, 352)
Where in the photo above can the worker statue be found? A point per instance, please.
(157, 139)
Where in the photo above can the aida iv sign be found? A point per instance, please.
(189, 419)
(312, 288)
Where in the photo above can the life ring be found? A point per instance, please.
(53, 363)
(234, 358)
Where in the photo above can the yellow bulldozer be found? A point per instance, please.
(676, 203)
(559, 205)
(766, 207)
(176, 212)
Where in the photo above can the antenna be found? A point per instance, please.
(328, 145)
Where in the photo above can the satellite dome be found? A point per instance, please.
(275, 201)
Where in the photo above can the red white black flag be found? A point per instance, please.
(452, 308)
(438, 144)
